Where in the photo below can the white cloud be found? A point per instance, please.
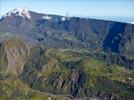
(132, 22)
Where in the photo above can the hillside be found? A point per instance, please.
(66, 72)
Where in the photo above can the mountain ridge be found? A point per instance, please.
(72, 32)
(21, 9)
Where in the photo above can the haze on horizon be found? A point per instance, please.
(117, 10)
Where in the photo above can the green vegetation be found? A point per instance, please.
(94, 76)
(64, 72)
(3, 60)
(12, 56)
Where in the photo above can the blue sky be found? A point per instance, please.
(120, 10)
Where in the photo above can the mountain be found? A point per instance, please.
(45, 56)
(71, 32)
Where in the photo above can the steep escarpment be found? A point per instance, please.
(51, 31)
(72, 32)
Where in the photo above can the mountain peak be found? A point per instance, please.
(22, 12)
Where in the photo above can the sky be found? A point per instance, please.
(119, 10)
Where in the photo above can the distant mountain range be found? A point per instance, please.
(68, 56)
